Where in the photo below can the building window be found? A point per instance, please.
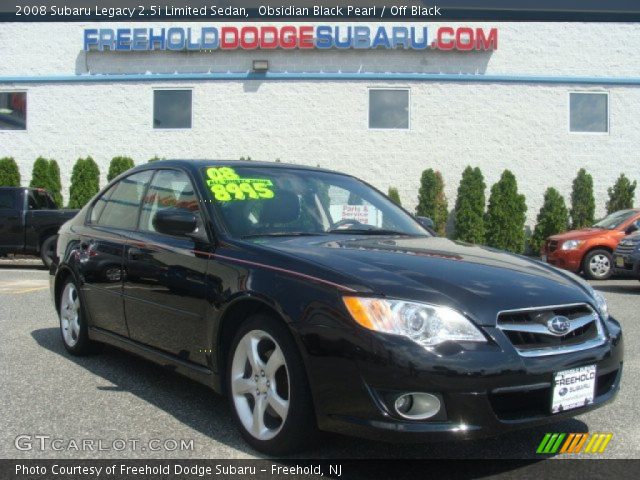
(13, 110)
(588, 112)
(389, 108)
(172, 109)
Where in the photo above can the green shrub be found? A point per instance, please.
(583, 205)
(432, 201)
(469, 209)
(56, 183)
(46, 174)
(506, 215)
(621, 194)
(85, 182)
(394, 196)
(9, 173)
(553, 218)
(119, 165)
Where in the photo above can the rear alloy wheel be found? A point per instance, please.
(597, 265)
(73, 327)
(48, 250)
(268, 389)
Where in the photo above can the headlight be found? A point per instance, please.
(601, 304)
(425, 324)
(571, 244)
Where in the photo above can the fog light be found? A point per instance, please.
(417, 406)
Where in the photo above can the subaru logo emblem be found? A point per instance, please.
(559, 325)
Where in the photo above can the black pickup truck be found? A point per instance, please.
(29, 222)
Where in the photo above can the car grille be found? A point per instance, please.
(529, 331)
(627, 249)
(552, 245)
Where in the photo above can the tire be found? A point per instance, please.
(287, 423)
(48, 250)
(73, 325)
(598, 265)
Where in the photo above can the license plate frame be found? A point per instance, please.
(573, 388)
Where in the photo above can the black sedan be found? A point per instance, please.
(315, 303)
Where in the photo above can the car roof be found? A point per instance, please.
(197, 164)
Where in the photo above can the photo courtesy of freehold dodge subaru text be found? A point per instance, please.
(344, 240)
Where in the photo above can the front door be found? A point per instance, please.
(164, 288)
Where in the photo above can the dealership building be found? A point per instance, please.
(380, 101)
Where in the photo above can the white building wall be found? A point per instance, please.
(520, 126)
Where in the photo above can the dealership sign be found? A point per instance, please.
(291, 37)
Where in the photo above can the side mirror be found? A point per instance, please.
(631, 228)
(427, 224)
(177, 222)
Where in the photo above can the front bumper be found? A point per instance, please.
(630, 265)
(567, 259)
(485, 390)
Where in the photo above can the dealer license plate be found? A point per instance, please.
(573, 388)
(544, 258)
(619, 261)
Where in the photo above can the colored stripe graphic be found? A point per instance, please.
(550, 443)
(574, 443)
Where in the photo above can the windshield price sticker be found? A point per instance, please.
(226, 185)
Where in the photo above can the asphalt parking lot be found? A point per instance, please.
(116, 396)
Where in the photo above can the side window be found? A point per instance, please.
(7, 200)
(34, 201)
(42, 199)
(99, 205)
(122, 202)
(169, 189)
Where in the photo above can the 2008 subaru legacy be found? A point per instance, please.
(314, 302)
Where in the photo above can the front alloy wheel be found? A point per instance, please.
(260, 385)
(268, 387)
(597, 265)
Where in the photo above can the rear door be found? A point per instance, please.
(11, 226)
(165, 281)
(102, 246)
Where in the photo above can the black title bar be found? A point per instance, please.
(318, 10)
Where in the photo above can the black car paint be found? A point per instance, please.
(24, 229)
(176, 300)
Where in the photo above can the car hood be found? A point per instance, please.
(582, 234)
(476, 280)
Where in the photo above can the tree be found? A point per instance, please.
(469, 209)
(9, 173)
(119, 165)
(85, 182)
(553, 218)
(394, 196)
(46, 174)
(621, 194)
(583, 205)
(56, 183)
(432, 201)
(506, 215)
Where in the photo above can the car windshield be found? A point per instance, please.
(615, 219)
(267, 201)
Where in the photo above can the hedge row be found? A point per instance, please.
(502, 224)
(85, 177)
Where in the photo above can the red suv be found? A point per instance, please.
(590, 250)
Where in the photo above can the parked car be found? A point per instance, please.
(590, 250)
(314, 302)
(626, 257)
(29, 222)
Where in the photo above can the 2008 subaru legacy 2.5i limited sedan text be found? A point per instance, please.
(314, 302)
